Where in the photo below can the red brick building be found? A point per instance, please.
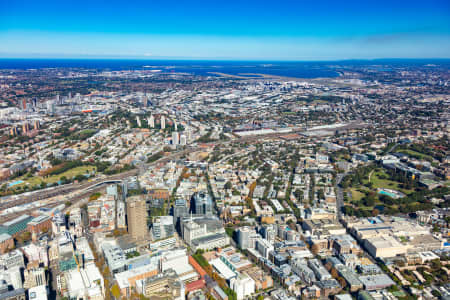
(40, 224)
(6, 242)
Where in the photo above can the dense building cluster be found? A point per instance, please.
(163, 185)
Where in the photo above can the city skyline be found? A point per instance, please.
(201, 30)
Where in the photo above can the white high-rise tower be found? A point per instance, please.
(163, 122)
(151, 121)
(138, 121)
(175, 138)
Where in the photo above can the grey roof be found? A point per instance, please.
(205, 239)
(11, 294)
(376, 281)
(220, 292)
(40, 219)
(16, 220)
(349, 276)
(4, 237)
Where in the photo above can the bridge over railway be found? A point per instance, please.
(99, 184)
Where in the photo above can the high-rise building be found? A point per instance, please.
(162, 227)
(144, 101)
(202, 203)
(246, 237)
(138, 121)
(13, 131)
(50, 106)
(183, 140)
(124, 188)
(243, 237)
(175, 138)
(112, 190)
(268, 232)
(180, 210)
(24, 104)
(25, 128)
(137, 217)
(163, 122)
(120, 215)
(151, 122)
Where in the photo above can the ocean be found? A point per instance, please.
(287, 69)
(308, 69)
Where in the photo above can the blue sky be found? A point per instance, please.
(259, 30)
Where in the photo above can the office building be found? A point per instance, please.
(34, 277)
(243, 286)
(202, 203)
(163, 122)
(151, 121)
(166, 285)
(183, 140)
(162, 227)
(38, 293)
(175, 138)
(137, 217)
(246, 237)
(204, 233)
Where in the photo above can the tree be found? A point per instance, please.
(115, 290)
(334, 273)
(227, 185)
(436, 293)
(342, 282)
(320, 194)
(94, 196)
(63, 179)
(369, 200)
(298, 194)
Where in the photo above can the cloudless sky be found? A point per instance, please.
(226, 29)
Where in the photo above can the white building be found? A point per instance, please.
(38, 293)
(243, 286)
(85, 283)
(204, 233)
(264, 247)
(175, 138)
(183, 140)
(163, 122)
(151, 122)
(178, 261)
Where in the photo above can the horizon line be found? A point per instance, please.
(160, 58)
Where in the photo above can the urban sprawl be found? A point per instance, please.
(155, 184)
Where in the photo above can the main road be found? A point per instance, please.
(339, 194)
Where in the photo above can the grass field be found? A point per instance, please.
(356, 195)
(36, 180)
(416, 154)
(385, 183)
